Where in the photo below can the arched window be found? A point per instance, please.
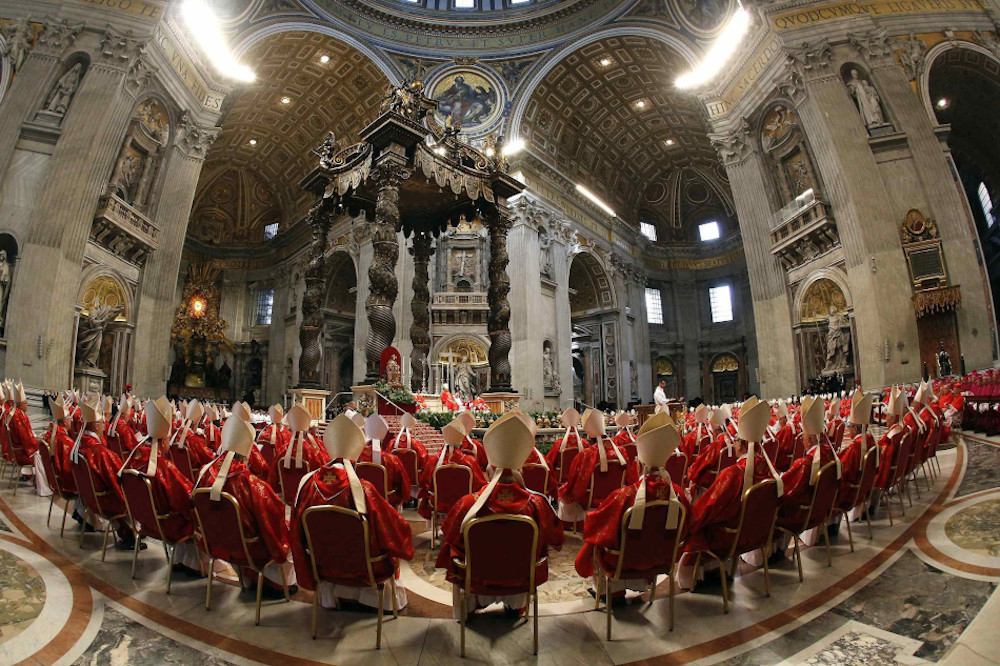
(987, 203)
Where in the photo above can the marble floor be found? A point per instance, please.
(920, 591)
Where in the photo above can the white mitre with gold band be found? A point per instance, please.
(299, 419)
(344, 440)
(158, 421)
(595, 427)
(237, 438)
(508, 441)
(654, 447)
(750, 428)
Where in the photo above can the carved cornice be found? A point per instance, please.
(193, 139)
(812, 59)
(874, 47)
(118, 49)
(735, 146)
(57, 35)
(140, 71)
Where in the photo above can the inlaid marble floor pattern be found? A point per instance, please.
(896, 600)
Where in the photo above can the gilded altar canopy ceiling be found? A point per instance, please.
(270, 127)
(609, 117)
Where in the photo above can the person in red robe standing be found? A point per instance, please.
(658, 438)
(171, 489)
(337, 484)
(398, 488)
(89, 451)
(508, 443)
(119, 434)
(470, 445)
(718, 510)
(573, 493)
(299, 451)
(262, 511)
(454, 434)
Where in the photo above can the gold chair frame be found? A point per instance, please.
(385, 476)
(545, 488)
(380, 587)
(466, 565)
(809, 509)
(620, 553)
(100, 511)
(858, 500)
(57, 484)
(226, 497)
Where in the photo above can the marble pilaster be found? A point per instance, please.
(525, 311)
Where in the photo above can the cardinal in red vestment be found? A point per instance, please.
(336, 484)
(572, 440)
(405, 441)
(658, 438)
(119, 434)
(60, 444)
(470, 445)
(508, 443)
(698, 438)
(261, 510)
(624, 439)
(397, 481)
(255, 461)
(17, 425)
(274, 436)
(860, 441)
(574, 493)
(300, 452)
(801, 477)
(454, 433)
(702, 470)
(447, 400)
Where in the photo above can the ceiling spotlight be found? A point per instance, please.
(720, 52)
(513, 147)
(253, 142)
(208, 34)
(943, 103)
(286, 100)
(324, 59)
(669, 142)
(605, 62)
(641, 104)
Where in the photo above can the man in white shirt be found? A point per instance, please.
(659, 395)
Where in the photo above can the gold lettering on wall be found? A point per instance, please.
(209, 99)
(755, 66)
(796, 19)
(147, 8)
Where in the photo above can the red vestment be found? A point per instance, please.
(451, 457)
(60, 457)
(389, 533)
(104, 465)
(888, 444)
(410, 442)
(570, 440)
(720, 506)
(850, 462)
(398, 489)
(262, 511)
(575, 488)
(121, 435)
(625, 441)
(22, 437)
(701, 471)
(798, 489)
(213, 436)
(280, 436)
(171, 490)
(506, 498)
(696, 441)
(602, 527)
(314, 456)
(474, 448)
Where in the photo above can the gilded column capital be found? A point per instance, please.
(734, 146)
(194, 140)
(874, 46)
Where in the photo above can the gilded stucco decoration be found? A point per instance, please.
(725, 363)
(464, 351)
(589, 284)
(664, 367)
(819, 298)
(111, 294)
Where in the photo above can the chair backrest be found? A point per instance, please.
(267, 452)
(565, 460)
(838, 434)
(677, 467)
(536, 477)
(603, 484)
(375, 474)
(337, 539)
(49, 466)
(866, 480)
(141, 503)
(901, 457)
(289, 479)
(771, 449)
(653, 546)
(221, 525)
(824, 495)
(501, 549)
(757, 515)
(410, 460)
(181, 458)
(630, 450)
(115, 444)
(452, 482)
(726, 459)
(85, 484)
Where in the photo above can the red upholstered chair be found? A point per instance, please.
(338, 544)
(837, 436)
(501, 558)
(411, 462)
(630, 451)
(897, 465)
(677, 468)
(753, 530)
(146, 517)
(451, 483)
(771, 451)
(565, 461)
(48, 463)
(815, 514)
(89, 495)
(603, 484)
(267, 452)
(536, 478)
(860, 493)
(221, 527)
(375, 474)
(643, 553)
(19, 460)
(181, 458)
(289, 479)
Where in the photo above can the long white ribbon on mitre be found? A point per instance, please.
(409, 439)
(748, 469)
(377, 451)
(916, 417)
(933, 415)
(639, 507)
(74, 453)
(180, 437)
(297, 445)
(542, 461)
(484, 495)
(603, 455)
(154, 450)
(216, 493)
(817, 458)
(357, 492)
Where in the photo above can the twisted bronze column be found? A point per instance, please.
(320, 219)
(419, 306)
(382, 284)
(497, 221)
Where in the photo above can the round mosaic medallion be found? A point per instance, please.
(22, 595)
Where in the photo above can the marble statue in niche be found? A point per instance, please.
(65, 88)
(867, 99)
(91, 332)
(550, 377)
(838, 343)
(545, 252)
(464, 384)
(5, 280)
(799, 179)
(19, 35)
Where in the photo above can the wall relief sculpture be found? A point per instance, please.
(19, 37)
(62, 93)
(867, 100)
